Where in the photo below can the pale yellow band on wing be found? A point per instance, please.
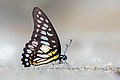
(45, 61)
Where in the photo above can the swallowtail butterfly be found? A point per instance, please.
(44, 46)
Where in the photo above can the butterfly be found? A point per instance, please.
(44, 46)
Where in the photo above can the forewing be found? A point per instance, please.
(44, 31)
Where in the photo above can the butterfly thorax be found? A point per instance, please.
(62, 58)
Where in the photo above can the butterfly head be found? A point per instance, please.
(63, 57)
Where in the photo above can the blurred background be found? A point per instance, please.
(93, 25)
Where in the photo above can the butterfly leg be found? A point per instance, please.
(67, 64)
(59, 63)
(53, 64)
(47, 66)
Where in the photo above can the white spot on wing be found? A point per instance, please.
(27, 63)
(45, 25)
(42, 61)
(45, 43)
(46, 21)
(34, 43)
(39, 21)
(36, 59)
(53, 41)
(49, 34)
(38, 25)
(43, 32)
(54, 46)
(39, 51)
(41, 18)
(29, 51)
(27, 55)
(35, 35)
(55, 50)
(31, 47)
(26, 59)
(49, 29)
(37, 30)
(39, 60)
(44, 28)
(43, 55)
(39, 13)
(45, 48)
(44, 38)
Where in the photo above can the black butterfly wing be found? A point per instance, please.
(44, 46)
(43, 27)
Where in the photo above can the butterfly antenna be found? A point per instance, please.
(67, 46)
